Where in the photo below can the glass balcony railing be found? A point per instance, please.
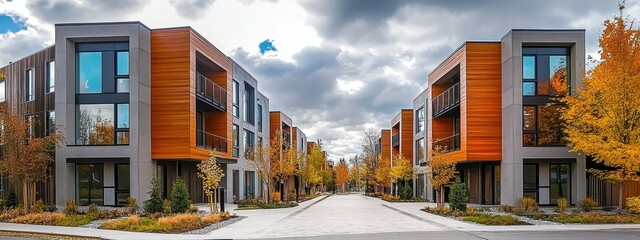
(446, 101)
(449, 144)
(395, 140)
(211, 92)
(211, 141)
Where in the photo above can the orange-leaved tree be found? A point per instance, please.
(382, 172)
(211, 174)
(342, 174)
(443, 169)
(24, 157)
(603, 120)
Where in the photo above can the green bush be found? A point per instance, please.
(458, 197)
(70, 207)
(633, 205)
(563, 204)
(154, 203)
(588, 204)
(12, 199)
(180, 201)
(405, 192)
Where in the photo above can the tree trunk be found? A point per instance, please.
(25, 196)
(215, 201)
(620, 197)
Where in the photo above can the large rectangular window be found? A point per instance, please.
(89, 184)
(559, 182)
(420, 120)
(545, 71)
(3, 90)
(542, 126)
(530, 180)
(51, 76)
(122, 126)
(236, 99)
(122, 184)
(51, 122)
(235, 134)
(102, 124)
(259, 118)
(420, 150)
(31, 85)
(89, 79)
(249, 139)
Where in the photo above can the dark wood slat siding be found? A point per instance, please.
(15, 85)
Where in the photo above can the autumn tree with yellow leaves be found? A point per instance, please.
(211, 174)
(382, 171)
(401, 171)
(443, 169)
(342, 174)
(603, 119)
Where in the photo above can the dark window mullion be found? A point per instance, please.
(108, 72)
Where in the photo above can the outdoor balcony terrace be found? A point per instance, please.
(210, 141)
(446, 101)
(448, 144)
(211, 93)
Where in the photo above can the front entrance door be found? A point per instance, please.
(89, 184)
(559, 181)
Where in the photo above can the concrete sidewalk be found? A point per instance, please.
(256, 220)
(414, 209)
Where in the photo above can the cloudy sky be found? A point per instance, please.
(336, 67)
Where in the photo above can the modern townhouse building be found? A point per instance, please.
(383, 149)
(250, 118)
(300, 144)
(279, 122)
(135, 102)
(491, 109)
(402, 142)
(420, 109)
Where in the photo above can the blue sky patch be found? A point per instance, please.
(7, 24)
(267, 45)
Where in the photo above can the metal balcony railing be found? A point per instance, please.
(395, 140)
(211, 92)
(447, 100)
(449, 144)
(211, 141)
(286, 138)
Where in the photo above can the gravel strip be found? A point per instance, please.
(215, 226)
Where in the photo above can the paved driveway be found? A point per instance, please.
(344, 214)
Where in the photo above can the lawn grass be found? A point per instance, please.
(493, 219)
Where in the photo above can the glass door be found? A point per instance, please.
(559, 181)
(122, 184)
(89, 184)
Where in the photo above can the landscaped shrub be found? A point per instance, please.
(507, 209)
(170, 224)
(592, 218)
(135, 223)
(11, 200)
(39, 218)
(180, 200)
(70, 207)
(405, 192)
(492, 219)
(38, 207)
(390, 198)
(275, 197)
(528, 205)
(11, 213)
(166, 206)
(154, 203)
(563, 204)
(633, 205)
(588, 204)
(458, 197)
(132, 205)
(92, 209)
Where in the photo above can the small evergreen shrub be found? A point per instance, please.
(527, 204)
(154, 203)
(180, 201)
(406, 192)
(93, 210)
(12, 199)
(132, 205)
(458, 197)
(166, 206)
(70, 207)
(588, 204)
(633, 205)
(563, 204)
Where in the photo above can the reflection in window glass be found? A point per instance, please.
(122, 137)
(94, 124)
(529, 139)
(420, 119)
(122, 63)
(51, 122)
(530, 177)
(529, 118)
(89, 79)
(31, 85)
(420, 150)
(123, 116)
(89, 184)
(528, 67)
(550, 126)
(51, 73)
(558, 75)
(529, 88)
(122, 85)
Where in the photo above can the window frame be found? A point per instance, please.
(235, 141)
(3, 93)
(30, 85)
(236, 98)
(51, 127)
(49, 76)
(535, 189)
(420, 123)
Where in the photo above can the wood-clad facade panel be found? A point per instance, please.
(170, 105)
(483, 102)
(385, 136)
(406, 134)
